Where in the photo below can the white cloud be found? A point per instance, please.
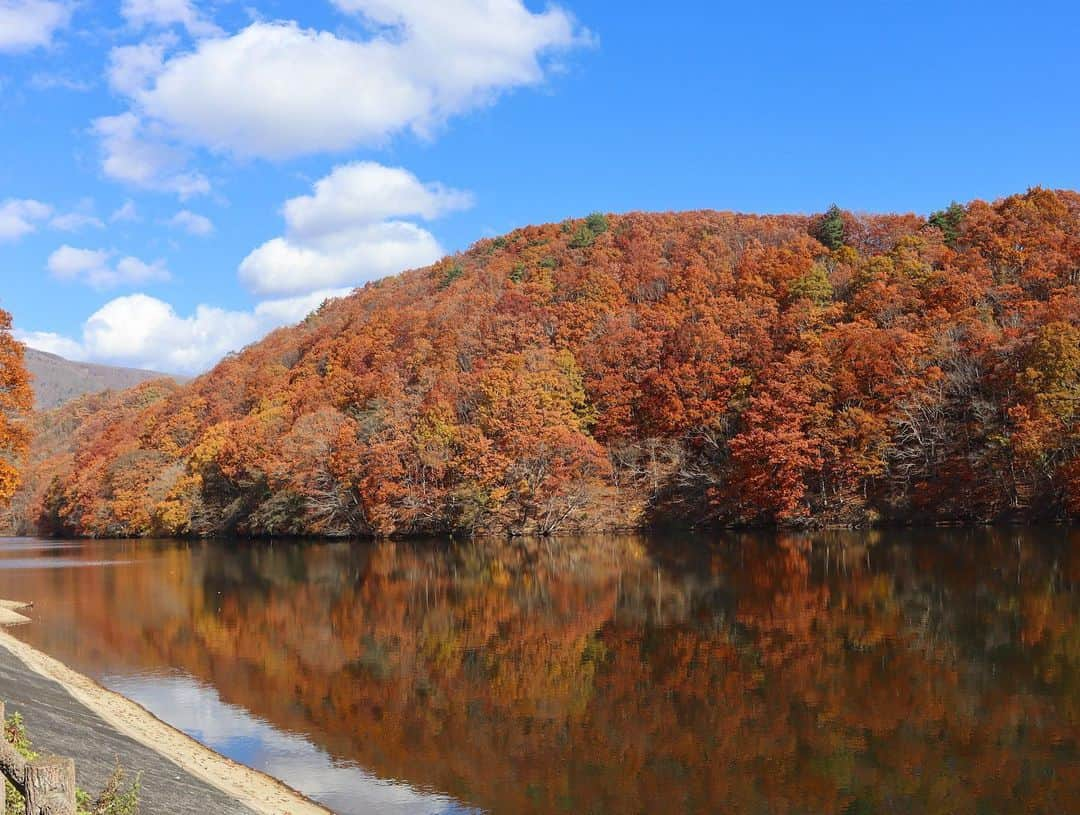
(162, 13)
(365, 192)
(48, 82)
(289, 310)
(145, 332)
(132, 67)
(126, 213)
(27, 24)
(94, 267)
(277, 90)
(281, 266)
(52, 343)
(349, 231)
(192, 223)
(76, 221)
(20, 217)
(135, 156)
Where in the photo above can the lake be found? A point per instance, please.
(897, 672)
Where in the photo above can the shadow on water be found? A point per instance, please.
(892, 671)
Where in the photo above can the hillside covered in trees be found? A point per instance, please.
(622, 371)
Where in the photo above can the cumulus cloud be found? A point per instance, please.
(277, 90)
(192, 223)
(350, 231)
(280, 265)
(164, 13)
(28, 24)
(94, 267)
(365, 192)
(144, 332)
(132, 154)
(52, 343)
(20, 217)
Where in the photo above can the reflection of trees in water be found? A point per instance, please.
(881, 672)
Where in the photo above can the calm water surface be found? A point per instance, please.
(842, 673)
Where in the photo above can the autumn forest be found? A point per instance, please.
(610, 373)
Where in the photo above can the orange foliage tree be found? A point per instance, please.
(16, 399)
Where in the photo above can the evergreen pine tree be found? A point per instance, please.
(949, 221)
(830, 230)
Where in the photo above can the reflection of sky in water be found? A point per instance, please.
(23, 549)
(232, 731)
(28, 545)
(55, 563)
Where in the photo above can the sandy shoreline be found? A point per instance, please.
(253, 789)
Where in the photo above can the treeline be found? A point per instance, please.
(622, 371)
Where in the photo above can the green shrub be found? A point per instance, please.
(517, 274)
(15, 733)
(583, 238)
(597, 223)
(450, 275)
(117, 798)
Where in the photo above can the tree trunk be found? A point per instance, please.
(3, 783)
(50, 787)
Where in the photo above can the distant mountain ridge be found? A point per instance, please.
(58, 380)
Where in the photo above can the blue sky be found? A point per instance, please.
(181, 176)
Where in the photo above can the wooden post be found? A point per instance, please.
(50, 786)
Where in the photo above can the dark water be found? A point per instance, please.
(845, 673)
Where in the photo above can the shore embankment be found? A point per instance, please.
(69, 714)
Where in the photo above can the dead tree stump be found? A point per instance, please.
(47, 784)
(50, 786)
